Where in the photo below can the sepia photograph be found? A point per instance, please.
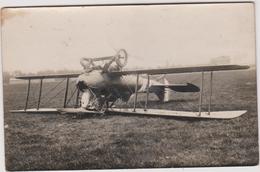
(129, 86)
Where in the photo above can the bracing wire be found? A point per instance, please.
(190, 105)
(48, 100)
(48, 92)
(141, 105)
(52, 89)
(74, 91)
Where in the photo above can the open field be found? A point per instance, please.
(53, 141)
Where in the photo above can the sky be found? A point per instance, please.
(55, 38)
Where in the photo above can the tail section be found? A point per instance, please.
(163, 91)
(167, 91)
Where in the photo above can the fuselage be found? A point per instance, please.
(117, 86)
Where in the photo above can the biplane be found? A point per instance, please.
(100, 86)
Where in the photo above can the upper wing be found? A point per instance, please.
(145, 71)
(70, 75)
(181, 70)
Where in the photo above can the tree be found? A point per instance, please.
(6, 77)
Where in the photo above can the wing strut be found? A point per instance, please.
(28, 94)
(40, 94)
(66, 92)
(201, 93)
(77, 98)
(210, 92)
(136, 91)
(147, 92)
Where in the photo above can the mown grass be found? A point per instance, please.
(53, 141)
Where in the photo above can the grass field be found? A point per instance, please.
(53, 141)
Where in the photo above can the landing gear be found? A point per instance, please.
(94, 102)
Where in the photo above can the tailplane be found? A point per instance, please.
(163, 90)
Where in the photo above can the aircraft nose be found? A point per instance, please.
(82, 82)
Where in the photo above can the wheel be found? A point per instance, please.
(121, 58)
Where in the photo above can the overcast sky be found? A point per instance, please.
(36, 39)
